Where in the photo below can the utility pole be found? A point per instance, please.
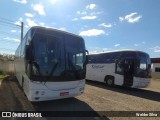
(21, 31)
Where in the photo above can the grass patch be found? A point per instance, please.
(2, 76)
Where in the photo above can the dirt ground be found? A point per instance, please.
(97, 97)
(155, 85)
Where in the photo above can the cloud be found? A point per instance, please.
(41, 23)
(18, 22)
(121, 19)
(89, 17)
(39, 8)
(30, 22)
(13, 31)
(106, 25)
(12, 39)
(94, 52)
(52, 1)
(29, 15)
(92, 32)
(143, 42)
(20, 19)
(63, 29)
(90, 6)
(106, 49)
(131, 18)
(96, 13)
(21, 1)
(116, 45)
(156, 49)
(82, 13)
(74, 19)
(136, 45)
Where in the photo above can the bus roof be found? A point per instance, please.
(114, 51)
(54, 29)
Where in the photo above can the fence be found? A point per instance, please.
(7, 66)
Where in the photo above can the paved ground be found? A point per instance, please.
(97, 97)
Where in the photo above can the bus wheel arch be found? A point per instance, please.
(109, 80)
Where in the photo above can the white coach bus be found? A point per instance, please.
(129, 68)
(50, 64)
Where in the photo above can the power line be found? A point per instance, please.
(5, 33)
(6, 19)
(7, 38)
(7, 25)
(6, 22)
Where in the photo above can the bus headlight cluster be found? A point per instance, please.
(40, 92)
(37, 92)
(43, 92)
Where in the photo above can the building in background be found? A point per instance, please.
(155, 67)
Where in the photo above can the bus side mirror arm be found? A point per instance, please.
(87, 51)
(86, 61)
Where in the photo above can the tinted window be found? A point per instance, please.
(23, 46)
(128, 55)
(157, 69)
(47, 53)
(75, 55)
(143, 65)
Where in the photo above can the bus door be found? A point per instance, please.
(128, 70)
(125, 67)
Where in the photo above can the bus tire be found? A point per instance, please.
(109, 80)
(22, 87)
(22, 82)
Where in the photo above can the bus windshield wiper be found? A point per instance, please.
(73, 67)
(53, 69)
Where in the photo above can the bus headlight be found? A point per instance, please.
(37, 92)
(81, 89)
(43, 92)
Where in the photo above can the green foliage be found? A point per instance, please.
(6, 57)
(2, 76)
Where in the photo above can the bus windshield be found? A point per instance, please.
(143, 65)
(58, 57)
(74, 53)
(47, 52)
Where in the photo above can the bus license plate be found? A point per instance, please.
(64, 93)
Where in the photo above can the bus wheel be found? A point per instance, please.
(22, 82)
(109, 81)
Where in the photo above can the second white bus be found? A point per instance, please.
(129, 68)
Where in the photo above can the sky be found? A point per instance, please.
(105, 25)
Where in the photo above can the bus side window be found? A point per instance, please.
(91, 59)
(102, 58)
(97, 59)
(119, 66)
(107, 58)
